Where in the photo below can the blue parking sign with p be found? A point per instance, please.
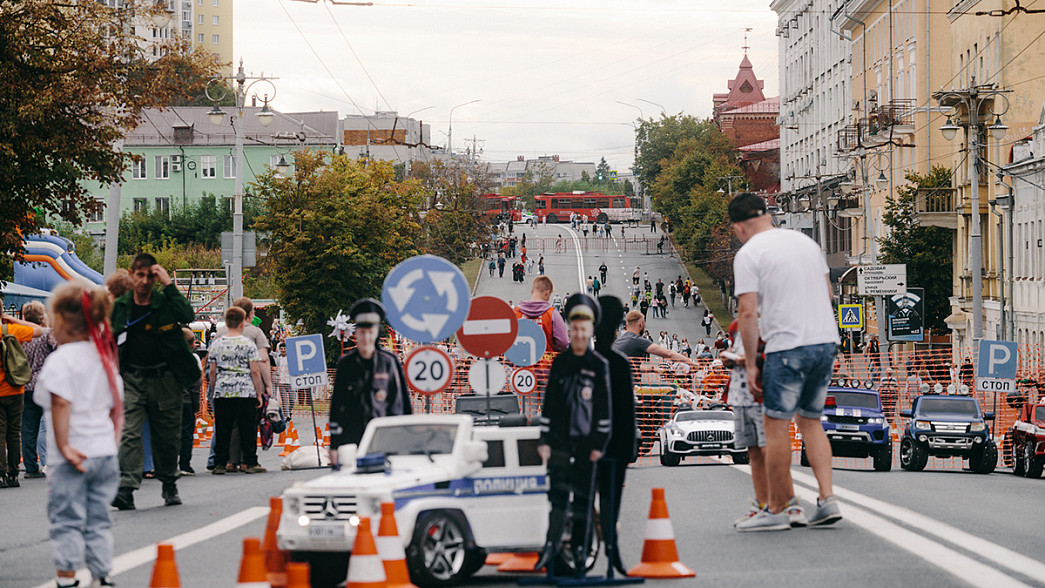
(306, 361)
(997, 359)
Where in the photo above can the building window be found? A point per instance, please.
(140, 205)
(138, 169)
(199, 19)
(163, 167)
(208, 166)
(199, 2)
(214, 20)
(213, 2)
(164, 205)
(201, 38)
(229, 167)
(98, 214)
(215, 39)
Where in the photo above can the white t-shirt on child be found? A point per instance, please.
(74, 372)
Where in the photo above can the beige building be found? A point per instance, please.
(208, 23)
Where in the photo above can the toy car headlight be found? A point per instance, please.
(291, 505)
(823, 417)
(976, 427)
(675, 430)
(876, 421)
(922, 425)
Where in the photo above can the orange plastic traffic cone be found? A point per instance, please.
(165, 572)
(252, 572)
(496, 559)
(660, 557)
(520, 562)
(365, 569)
(326, 435)
(275, 560)
(198, 433)
(390, 548)
(292, 442)
(297, 575)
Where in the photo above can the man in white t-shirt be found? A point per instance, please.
(781, 276)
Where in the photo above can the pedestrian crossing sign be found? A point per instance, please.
(850, 316)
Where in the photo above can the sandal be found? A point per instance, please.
(151, 474)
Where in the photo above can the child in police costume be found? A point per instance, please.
(369, 381)
(575, 427)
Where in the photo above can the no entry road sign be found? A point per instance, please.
(490, 329)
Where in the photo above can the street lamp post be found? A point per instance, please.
(241, 89)
(971, 100)
(450, 128)
(662, 111)
(420, 138)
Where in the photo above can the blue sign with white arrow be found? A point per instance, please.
(529, 344)
(426, 298)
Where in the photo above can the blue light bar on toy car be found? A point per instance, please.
(372, 464)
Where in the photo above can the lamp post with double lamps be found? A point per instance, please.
(450, 128)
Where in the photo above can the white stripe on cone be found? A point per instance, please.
(659, 529)
(390, 548)
(253, 585)
(366, 568)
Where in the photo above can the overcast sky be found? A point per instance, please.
(547, 74)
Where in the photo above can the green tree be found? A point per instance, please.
(72, 83)
(655, 142)
(453, 221)
(335, 228)
(602, 171)
(198, 223)
(927, 251)
(535, 180)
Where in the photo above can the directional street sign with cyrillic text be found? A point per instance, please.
(881, 280)
(426, 298)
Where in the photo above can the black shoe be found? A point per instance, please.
(170, 494)
(103, 582)
(619, 565)
(12, 480)
(31, 475)
(580, 561)
(3, 480)
(124, 499)
(546, 559)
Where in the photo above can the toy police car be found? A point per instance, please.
(698, 432)
(455, 486)
(856, 427)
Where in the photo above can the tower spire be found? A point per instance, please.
(745, 46)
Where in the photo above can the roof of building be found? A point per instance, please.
(193, 127)
(744, 89)
(769, 145)
(767, 106)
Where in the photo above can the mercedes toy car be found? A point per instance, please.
(698, 432)
(1027, 441)
(856, 427)
(947, 426)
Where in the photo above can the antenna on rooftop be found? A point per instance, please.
(745, 47)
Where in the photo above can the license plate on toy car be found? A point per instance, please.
(848, 427)
(321, 530)
(711, 445)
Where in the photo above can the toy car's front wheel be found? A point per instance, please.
(439, 554)
(741, 458)
(1016, 456)
(667, 457)
(985, 460)
(913, 455)
(1033, 465)
(883, 458)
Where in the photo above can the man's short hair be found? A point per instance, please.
(234, 317)
(542, 283)
(143, 260)
(245, 303)
(746, 206)
(634, 316)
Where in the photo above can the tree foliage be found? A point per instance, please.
(927, 251)
(198, 223)
(73, 81)
(453, 221)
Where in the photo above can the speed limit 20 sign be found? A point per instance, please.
(429, 370)
(523, 381)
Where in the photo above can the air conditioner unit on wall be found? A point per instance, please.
(176, 167)
(176, 162)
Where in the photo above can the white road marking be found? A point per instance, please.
(138, 557)
(580, 259)
(947, 559)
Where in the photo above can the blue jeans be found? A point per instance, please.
(34, 435)
(795, 381)
(78, 509)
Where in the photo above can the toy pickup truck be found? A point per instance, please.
(460, 492)
(856, 427)
(1027, 441)
(947, 426)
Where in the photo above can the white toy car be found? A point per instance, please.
(460, 492)
(699, 432)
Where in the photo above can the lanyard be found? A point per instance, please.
(131, 323)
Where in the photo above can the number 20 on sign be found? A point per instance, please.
(429, 370)
(523, 381)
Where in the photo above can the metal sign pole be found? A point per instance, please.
(315, 427)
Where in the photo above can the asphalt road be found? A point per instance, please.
(933, 528)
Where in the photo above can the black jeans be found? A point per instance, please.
(10, 433)
(31, 415)
(242, 412)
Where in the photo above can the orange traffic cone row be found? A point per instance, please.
(165, 572)
(365, 569)
(252, 572)
(660, 557)
(198, 433)
(275, 560)
(390, 548)
(297, 575)
(496, 559)
(520, 562)
(292, 441)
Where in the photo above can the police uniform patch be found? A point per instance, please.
(586, 393)
(380, 395)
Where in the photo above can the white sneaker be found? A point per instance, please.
(826, 512)
(753, 509)
(766, 521)
(796, 513)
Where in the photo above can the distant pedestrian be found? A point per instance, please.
(540, 265)
(635, 276)
(706, 321)
(596, 287)
(653, 225)
(493, 266)
(672, 292)
(602, 271)
(34, 428)
(591, 285)
(500, 265)
(11, 400)
(685, 295)
(660, 244)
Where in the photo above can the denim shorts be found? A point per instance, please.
(795, 381)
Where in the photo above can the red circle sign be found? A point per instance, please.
(523, 381)
(490, 328)
(429, 370)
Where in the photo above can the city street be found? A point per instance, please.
(935, 528)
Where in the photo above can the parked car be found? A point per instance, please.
(856, 426)
(947, 426)
(461, 491)
(1027, 441)
(699, 432)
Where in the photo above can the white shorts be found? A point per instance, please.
(749, 430)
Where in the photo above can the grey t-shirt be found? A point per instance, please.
(632, 345)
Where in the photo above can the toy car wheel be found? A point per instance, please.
(883, 458)
(1033, 466)
(985, 460)
(913, 456)
(803, 458)
(1019, 466)
(438, 554)
(741, 458)
(667, 458)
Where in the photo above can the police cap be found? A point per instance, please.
(367, 312)
(582, 306)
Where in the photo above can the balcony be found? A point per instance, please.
(849, 138)
(936, 207)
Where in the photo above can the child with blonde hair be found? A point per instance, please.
(81, 392)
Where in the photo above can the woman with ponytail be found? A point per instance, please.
(81, 392)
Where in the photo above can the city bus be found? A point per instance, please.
(500, 208)
(596, 206)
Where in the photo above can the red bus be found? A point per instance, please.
(500, 208)
(596, 206)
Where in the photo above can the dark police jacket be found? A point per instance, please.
(364, 390)
(577, 404)
(621, 445)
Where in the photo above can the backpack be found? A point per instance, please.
(15, 362)
(545, 321)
